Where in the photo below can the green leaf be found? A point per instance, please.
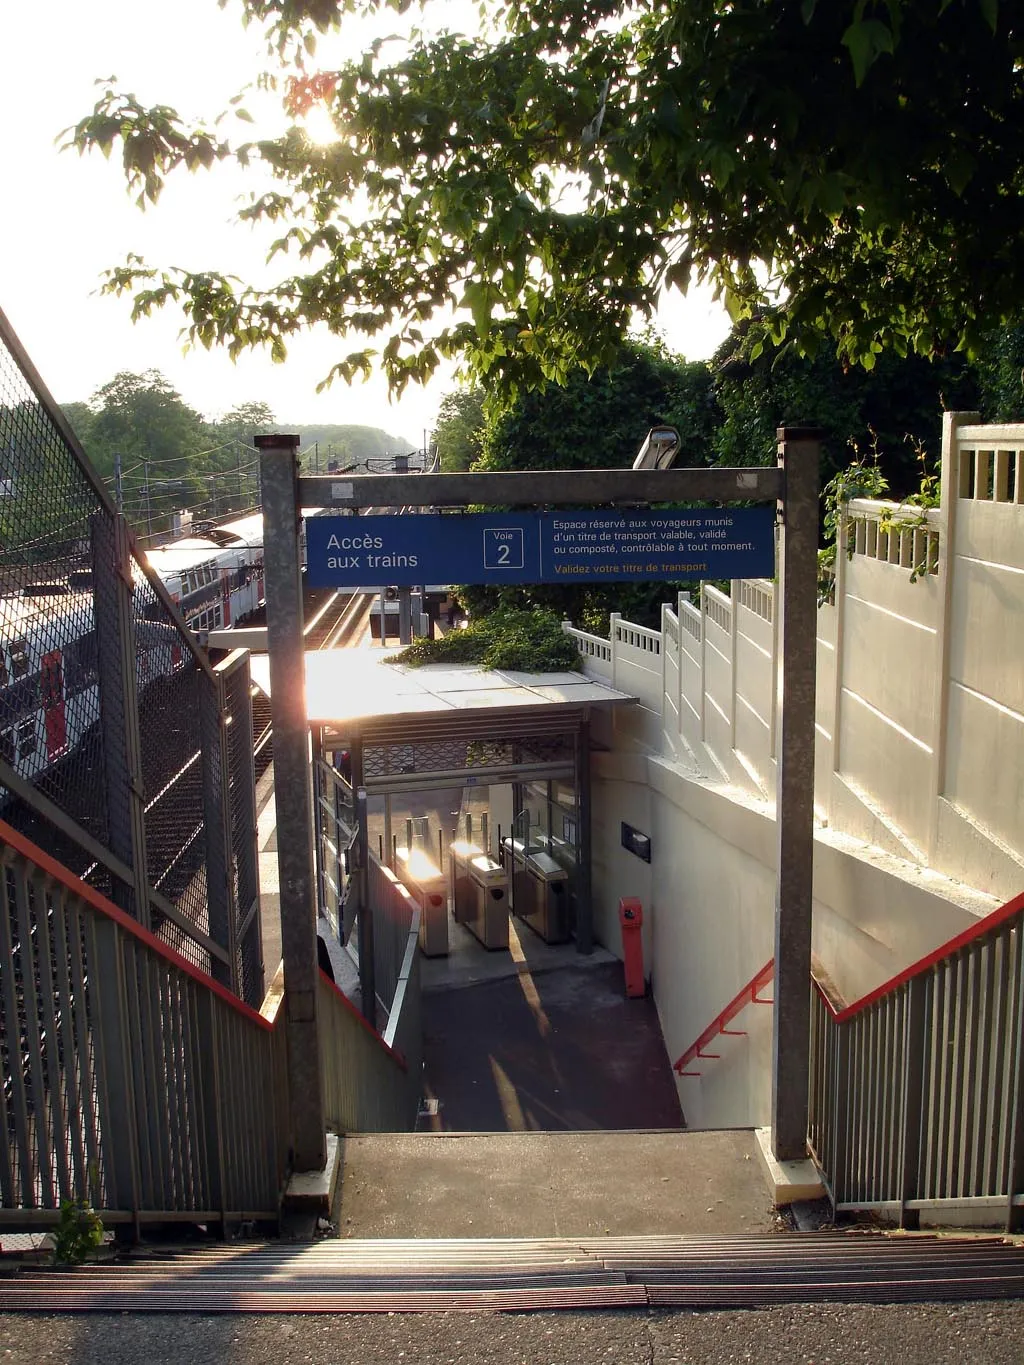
(990, 12)
(866, 39)
(830, 194)
(959, 169)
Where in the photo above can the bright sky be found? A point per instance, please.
(64, 219)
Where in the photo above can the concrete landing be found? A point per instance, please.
(546, 1050)
(553, 1185)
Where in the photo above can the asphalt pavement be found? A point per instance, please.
(931, 1334)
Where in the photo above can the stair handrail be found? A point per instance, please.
(59, 873)
(985, 925)
(747, 995)
(914, 1087)
(136, 1081)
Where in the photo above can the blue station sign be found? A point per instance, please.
(540, 547)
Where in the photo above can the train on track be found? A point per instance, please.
(49, 664)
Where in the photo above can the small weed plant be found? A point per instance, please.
(79, 1230)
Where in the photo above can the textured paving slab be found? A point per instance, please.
(552, 1185)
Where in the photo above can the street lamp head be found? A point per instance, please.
(659, 450)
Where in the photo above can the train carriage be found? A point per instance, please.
(49, 694)
(48, 651)
(216, 574)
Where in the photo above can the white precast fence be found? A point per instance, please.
(920, 697)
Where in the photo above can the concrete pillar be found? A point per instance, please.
(292, 788)
(799, 456)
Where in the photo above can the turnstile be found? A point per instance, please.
(425, 882)
(540, 890)
(480, 894)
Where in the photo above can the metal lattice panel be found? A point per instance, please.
(449, 756)
(463, 742)
(106, 761)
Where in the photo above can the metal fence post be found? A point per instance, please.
(216, 809)
(405, 616)
(913, 1096)
(210, 1088)
(292, 787)
(1015, 1139)
(118, 1113)
(367, 947)
(119, 706)
(799, 455)
(839, 1175)
(584, 884)
(242, 816)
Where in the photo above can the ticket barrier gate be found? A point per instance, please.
(480, 893)
(513, 857)
(425, 882)
(540, 890)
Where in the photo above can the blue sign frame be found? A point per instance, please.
(498, 548)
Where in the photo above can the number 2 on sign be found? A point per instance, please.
(503, 555)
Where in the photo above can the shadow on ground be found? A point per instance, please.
(559, 1050)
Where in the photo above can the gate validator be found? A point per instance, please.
(792, 485)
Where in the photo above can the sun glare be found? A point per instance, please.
(319, 126)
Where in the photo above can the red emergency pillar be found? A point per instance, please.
(631, 918)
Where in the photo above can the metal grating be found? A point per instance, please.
(458, 755)
(102, 696)
(510, 1276)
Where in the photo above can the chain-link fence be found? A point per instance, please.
(123, 754)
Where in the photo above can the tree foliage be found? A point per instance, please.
(143, 429)
(860, 160)
(459, 429)
(1001, 375)
(599, 421)
(896, 407)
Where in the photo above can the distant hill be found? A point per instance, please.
(321, 445)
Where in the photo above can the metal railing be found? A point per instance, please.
(372, 1081)
(122, 752)
(917, 1090)
(130, 1079)
(396, 919)
(337, 832)
(750, 994)
(370, 1085)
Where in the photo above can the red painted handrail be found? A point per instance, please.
(747, 996)
(984, 926)
(59, 873)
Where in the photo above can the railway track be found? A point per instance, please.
(338, 619)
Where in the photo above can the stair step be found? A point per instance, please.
(517, 1274)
